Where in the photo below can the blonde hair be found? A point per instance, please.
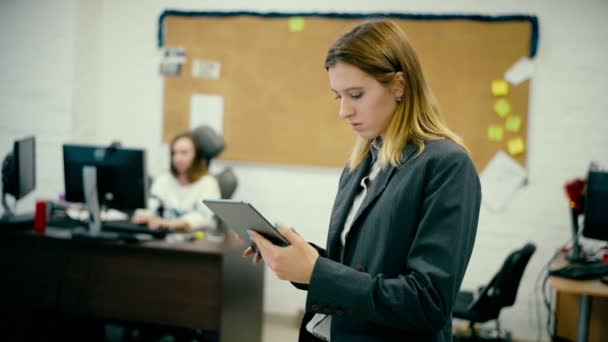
(381, 49)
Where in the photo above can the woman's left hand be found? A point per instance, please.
(294, 262)
(175, 224)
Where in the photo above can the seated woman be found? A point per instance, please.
(176, 197)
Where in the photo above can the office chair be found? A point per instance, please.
(212, 145)
(485, 305)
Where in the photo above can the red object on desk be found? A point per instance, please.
(575, 191)
(40, 217)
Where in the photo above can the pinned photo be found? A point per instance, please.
(172, 60)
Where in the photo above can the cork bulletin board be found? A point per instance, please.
(278, 107)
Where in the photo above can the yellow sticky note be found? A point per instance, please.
(495, 133)
(516, 146)
(502, 107)
(500, 88)
(296, 24)
(513, 123)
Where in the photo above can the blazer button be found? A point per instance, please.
(314, 307)
(339, 312)
(360, 268)
(327, 310)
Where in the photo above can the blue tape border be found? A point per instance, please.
(487, 18)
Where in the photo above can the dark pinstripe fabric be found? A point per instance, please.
(407, 251)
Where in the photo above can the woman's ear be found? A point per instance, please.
(399, 84)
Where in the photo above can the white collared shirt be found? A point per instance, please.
(320, 324)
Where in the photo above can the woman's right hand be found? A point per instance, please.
(257, 257)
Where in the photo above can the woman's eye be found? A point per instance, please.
(338, 97)
(356, 96)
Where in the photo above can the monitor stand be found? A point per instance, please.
(89, 184)
(575, 255)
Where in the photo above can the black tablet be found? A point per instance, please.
(242, 216)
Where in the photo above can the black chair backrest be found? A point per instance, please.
(210, 142)
(502, 289)
(212, 145)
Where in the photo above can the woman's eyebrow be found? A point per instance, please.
(348, 89)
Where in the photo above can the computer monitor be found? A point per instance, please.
(122, 181)
(19, 172)
(595, 225)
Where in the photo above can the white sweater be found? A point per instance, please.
(185, 201)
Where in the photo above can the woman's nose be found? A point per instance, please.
(346, 109)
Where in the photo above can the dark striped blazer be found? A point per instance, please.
(406, 253)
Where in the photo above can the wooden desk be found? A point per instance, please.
(201, 285)
(581, 309)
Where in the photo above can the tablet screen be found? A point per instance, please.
(242, 216)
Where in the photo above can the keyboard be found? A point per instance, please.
(64, 222)
(132, 228)
(582, 272)
(17, 221)
(124, 227)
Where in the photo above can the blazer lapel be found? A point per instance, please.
(374, 190)
(342, 205)
(380, 183)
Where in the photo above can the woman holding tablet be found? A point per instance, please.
(405, 216)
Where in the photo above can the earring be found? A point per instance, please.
(399, 98)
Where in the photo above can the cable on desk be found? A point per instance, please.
(541, 290)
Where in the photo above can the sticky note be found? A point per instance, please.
(516, 146)
(513, 123)
(296, 24)
(502, 107)
(495, 133)
(500, 88)
(520, 71)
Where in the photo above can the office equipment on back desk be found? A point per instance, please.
(105, 177)
(18, 180)
(583, 272)
(122, 181)
(588, 298)
(132, 228)
(594, 203)
(595, 225)
(116, 226)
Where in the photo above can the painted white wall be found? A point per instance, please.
(116, 94)
(85, 115)
(36, 85)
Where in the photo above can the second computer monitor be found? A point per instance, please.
(122, 181)
(595, 225)
(20, 172)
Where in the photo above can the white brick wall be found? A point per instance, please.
(36, 81)
(116, 94)
(85, 117)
